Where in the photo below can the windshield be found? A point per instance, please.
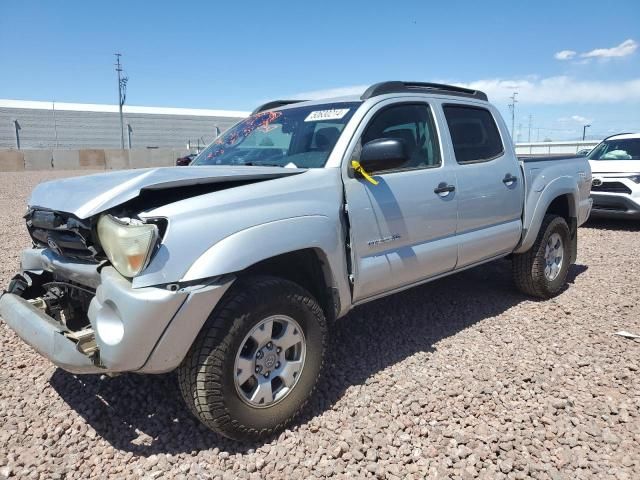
(625, 149)
(294, 137)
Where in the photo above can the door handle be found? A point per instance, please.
(443, 189)
(509, 179)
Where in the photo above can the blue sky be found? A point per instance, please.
(233, 55)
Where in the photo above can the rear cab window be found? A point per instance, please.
(474, 133)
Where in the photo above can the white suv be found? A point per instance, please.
(615, 188)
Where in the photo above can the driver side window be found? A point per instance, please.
(413, 125)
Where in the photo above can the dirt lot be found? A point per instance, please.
(462, 378)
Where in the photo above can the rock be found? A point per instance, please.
(372, 455)
(610, 438)
(506, 465)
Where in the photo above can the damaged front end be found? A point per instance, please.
(57, 283)
(66, 302)
(73, 300)
(103, 288)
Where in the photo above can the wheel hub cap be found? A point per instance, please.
(270, 361)
(553, 256)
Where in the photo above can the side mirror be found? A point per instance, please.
(383, 154)
(583, 153)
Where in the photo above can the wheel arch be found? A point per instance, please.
(307, 267)
(559, 198)
(312, 244)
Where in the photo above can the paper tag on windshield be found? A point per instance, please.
(333, 114)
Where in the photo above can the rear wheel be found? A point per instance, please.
(542, 271)
(256, 362)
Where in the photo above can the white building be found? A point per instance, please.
(48, 125)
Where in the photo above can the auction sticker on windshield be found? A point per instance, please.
(333, 114)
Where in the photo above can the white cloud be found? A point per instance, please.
(559, 90)
(531, 90)
(624, 49)
(574, 118)
(581, 119)
(565, 54)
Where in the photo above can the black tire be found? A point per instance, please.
(206, 375)
(528, 268)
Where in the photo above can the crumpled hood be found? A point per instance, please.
(88, 195)
(615, 166)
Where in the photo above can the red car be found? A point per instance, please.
(186, 160)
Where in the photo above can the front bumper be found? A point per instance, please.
(146, 330)
(612, 205)
(44, 334)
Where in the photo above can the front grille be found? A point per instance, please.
(64, 234)
(612, 187)
(610, 206)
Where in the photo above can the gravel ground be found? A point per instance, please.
(462, 378)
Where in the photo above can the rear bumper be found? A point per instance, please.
(146, 330)
(615, 206)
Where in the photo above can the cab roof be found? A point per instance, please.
(384, 88)
(623, 136)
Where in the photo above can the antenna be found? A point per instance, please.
(122, 95)
(512, 107)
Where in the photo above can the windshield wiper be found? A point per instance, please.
(262, 164)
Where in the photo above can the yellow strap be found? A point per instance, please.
(358, 168)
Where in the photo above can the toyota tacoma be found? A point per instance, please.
(232, 271)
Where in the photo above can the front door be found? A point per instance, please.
(403, 228)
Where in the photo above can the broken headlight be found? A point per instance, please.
(127, 243)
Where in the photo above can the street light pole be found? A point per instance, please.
(18, 128)
(129, 132)
(584, 131)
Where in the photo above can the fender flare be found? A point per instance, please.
(245, 248)
(558, 187)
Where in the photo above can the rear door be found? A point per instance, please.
(402, 231)
(490, 185)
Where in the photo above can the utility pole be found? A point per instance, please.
(584, 131)
(519, 131)
(512, 106)
(530, 121)
(122, 95)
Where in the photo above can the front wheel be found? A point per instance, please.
(542, 270)
(256, 362)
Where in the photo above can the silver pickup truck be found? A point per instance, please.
(232, 271)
